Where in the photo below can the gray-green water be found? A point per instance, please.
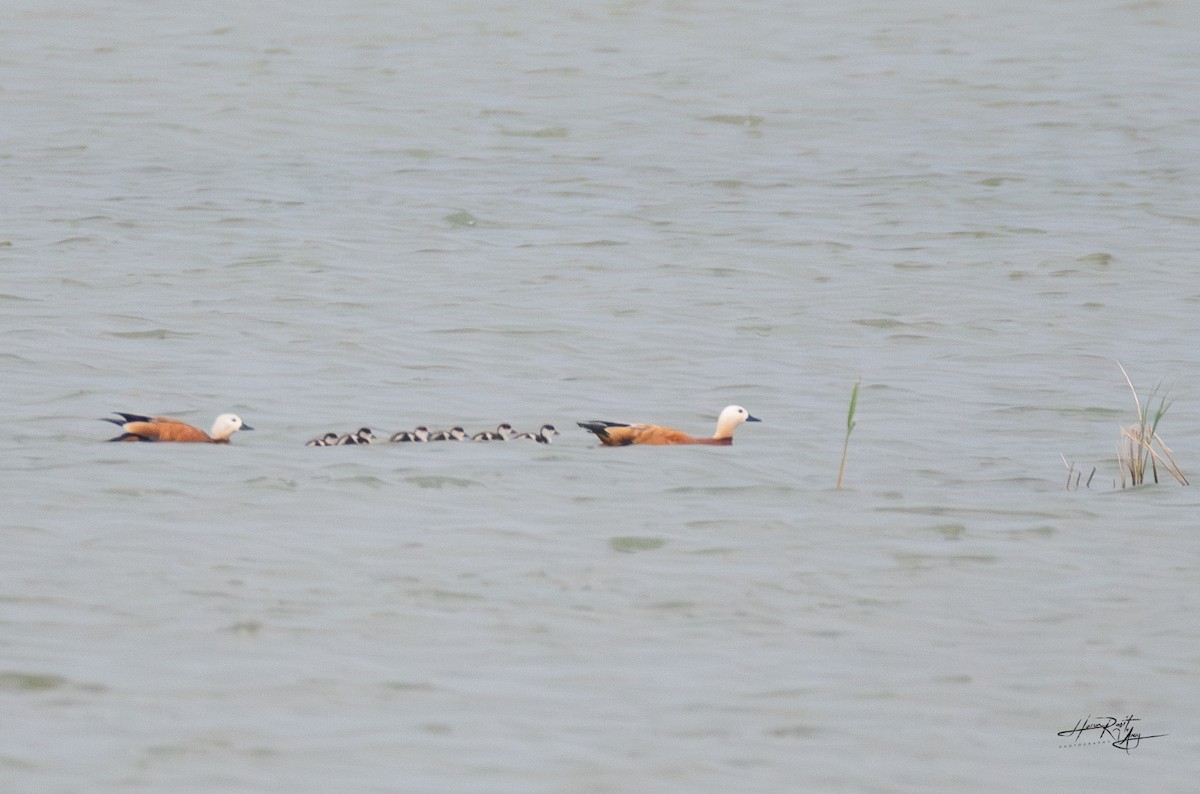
(415, 213)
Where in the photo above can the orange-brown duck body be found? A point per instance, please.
(617, 434)
(164, 428)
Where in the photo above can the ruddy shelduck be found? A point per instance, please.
(616, 434)
(163, 428)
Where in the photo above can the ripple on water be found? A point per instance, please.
(153, 333)
(369, 480)
(630, 544)
(24, 681)
(440, 481)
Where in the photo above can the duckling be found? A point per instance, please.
(324, 441)
(503, 432)
(542, 436)
(419, 434)
(455, 433)
(362, 436)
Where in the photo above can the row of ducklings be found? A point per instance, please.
(422, 434)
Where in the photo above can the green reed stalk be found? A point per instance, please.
(849, 429)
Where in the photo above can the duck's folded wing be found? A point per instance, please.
(656, 435)
(616, 434)
(162, 429)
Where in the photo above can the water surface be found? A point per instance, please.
(401, 214)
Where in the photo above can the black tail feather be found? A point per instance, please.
(126, 418)
(599, 427)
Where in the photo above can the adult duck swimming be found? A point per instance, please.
(617, 434)
(164, 428)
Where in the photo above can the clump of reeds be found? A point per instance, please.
(1141, 447)
(849, 428)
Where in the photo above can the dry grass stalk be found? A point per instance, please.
(1136, 449)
